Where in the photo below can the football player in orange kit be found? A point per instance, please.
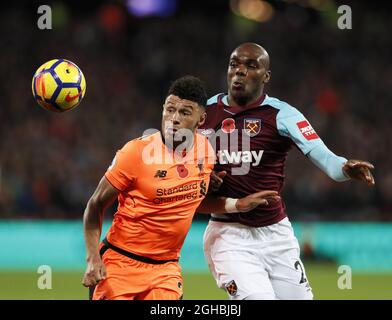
(158, 189)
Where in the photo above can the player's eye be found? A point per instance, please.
(170, 110)
(252, 66)
(233, 64)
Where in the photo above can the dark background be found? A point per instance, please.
(340, 79)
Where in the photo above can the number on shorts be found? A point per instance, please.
(296, 265)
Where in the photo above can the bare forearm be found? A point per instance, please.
(92, 222)
(103, 196)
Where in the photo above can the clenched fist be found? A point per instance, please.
(95, 272)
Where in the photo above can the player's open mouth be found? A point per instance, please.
(238, 85)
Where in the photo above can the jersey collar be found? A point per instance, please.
(224, 102)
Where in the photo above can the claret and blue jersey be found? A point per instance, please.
(266, 131)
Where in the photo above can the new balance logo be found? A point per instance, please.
(160, 174)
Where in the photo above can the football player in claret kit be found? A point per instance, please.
(257, 256)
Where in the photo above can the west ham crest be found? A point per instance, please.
(252, 127)
(231, 288)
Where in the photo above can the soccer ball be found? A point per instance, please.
(58, 85)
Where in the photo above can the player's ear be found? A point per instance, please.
(202, 120)
(267, 76)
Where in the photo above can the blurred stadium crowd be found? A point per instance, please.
(340, 79)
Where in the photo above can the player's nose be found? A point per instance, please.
(176, 118)
(241, 70)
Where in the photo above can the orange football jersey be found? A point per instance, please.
(159, 193)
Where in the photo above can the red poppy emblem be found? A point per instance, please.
(182, 171)
(228, 125)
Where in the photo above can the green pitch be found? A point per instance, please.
(323, 279)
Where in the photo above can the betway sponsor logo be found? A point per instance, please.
(236, 157)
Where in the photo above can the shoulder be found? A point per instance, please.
(285, 109)
(130, 146)
(137, 144)
(214, 99)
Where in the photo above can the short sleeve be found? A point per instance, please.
(292, 124)
(122, 173)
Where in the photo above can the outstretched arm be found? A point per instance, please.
(104, 195)
(292, 124)
(223, 205)
(339, 168)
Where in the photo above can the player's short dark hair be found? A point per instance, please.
(189, 88)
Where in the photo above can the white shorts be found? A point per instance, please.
(256, 263)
